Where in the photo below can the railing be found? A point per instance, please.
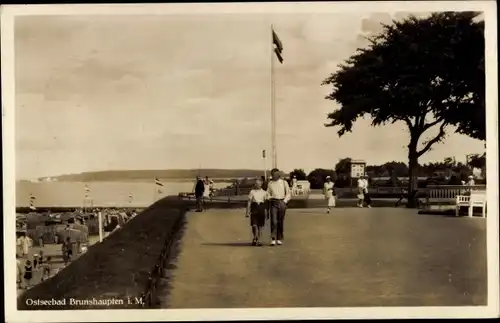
(220, 194)
(148, 298)
(431, 193)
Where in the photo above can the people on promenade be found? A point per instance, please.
(329, 193)
(256, 210)
(199, 189)
(278, 192)
(361, 191)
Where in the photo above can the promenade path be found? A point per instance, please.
(351, 257)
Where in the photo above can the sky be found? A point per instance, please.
(189, 91)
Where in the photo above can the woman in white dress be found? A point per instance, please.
(328, 191)
(206, 192)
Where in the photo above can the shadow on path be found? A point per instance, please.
(228, 244)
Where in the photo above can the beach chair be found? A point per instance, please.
(477, 199)
(462, 200)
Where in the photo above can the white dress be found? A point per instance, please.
(328, 191)
(206, 193)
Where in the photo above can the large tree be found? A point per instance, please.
(317, 177)
(299, 173)
(343, 166)
(427, 73)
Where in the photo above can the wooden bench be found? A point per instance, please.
(186, 195)
(475, 199)
(448, 193)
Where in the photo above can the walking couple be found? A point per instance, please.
(270, 204)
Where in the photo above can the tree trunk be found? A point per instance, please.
(412, 170)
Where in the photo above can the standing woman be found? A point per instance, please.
(367, 198)
(206, 192)
(361, 191)
(329, 193)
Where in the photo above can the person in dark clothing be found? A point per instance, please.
(28, 274)
(199, 190)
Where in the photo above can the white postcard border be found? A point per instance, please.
(8, 14)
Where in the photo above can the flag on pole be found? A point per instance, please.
(158, 182)
(87, 191)
(32, 202)
(278, 49)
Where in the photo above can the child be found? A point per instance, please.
(256, 210)
(35, 260)
(28, 274)
(67, 251)
(46, 268)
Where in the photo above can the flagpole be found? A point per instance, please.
(273, 107)
(100, 226)
(154, 192)
(264, 161)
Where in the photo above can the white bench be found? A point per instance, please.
(475, 199)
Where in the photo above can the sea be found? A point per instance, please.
(100, 194)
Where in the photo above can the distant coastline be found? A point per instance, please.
(178, 175)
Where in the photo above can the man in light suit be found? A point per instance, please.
(278, 192)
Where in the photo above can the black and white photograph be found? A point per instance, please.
(256, 161)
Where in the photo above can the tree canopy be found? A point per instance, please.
(343, 166)
(427, 73)
(299, 173)
(318, 176)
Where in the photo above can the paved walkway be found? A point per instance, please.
(352, 257)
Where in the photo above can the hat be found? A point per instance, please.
(470, 176)
(328, 177)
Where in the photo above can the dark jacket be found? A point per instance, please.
(200, 188)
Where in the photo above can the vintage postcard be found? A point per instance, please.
(250, 161)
